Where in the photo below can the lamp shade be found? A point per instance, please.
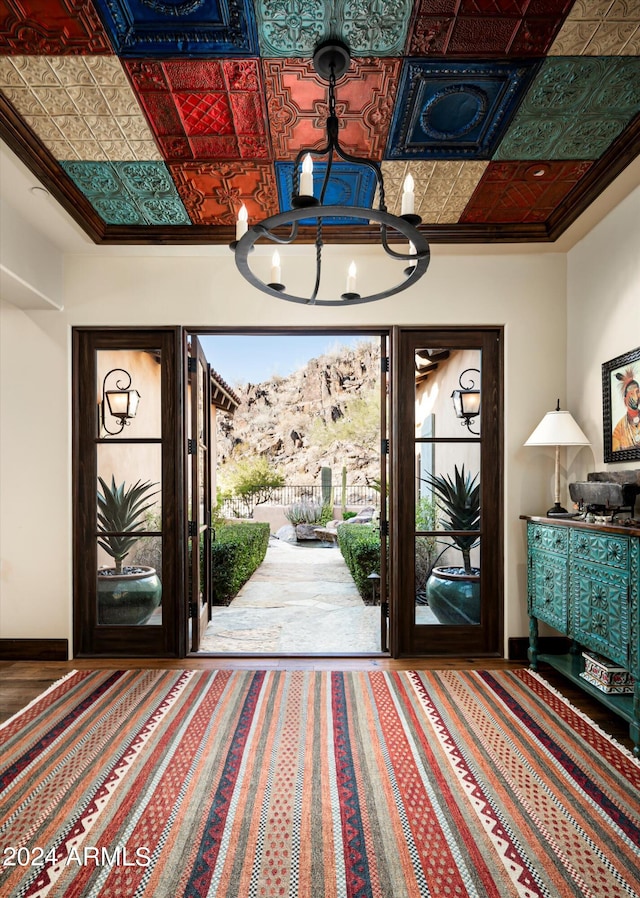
(557, 428)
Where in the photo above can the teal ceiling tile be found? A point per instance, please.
(595, 133)
(294, 27)
(530, 138)
(118, 211)
(164, 211)
(619, 88)
(93, 178)
(125, 193)
(376, 28)
(290, 27)
(574, 109)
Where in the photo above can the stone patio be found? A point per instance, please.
(301, 600)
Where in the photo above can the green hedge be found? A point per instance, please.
(360, 547)
(236, 552)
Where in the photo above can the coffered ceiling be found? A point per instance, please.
(151, 121)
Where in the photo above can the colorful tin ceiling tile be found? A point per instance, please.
(129, 193)
(295, 27)
(297, 104)
(611, 28)
(511, 81)
(350, 185)
(453, 110)
(485, 28)
(214, 193)
(522, 192)
(81, 107)
(51, 27)
(442, 189)
(180, 27)
(575, 108)
(204, 109)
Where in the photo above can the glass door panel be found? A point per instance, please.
(455, 445)
(129, 510)
(199, 492)
(127, 486)
(130, 381)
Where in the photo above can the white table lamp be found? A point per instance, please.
(557, 428)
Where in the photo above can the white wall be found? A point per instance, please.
(30, 265)
(524, 292)
(603, 311)
(35, 475)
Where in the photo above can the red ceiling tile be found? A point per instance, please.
(183, 75)
(298, 105)
(485, 28)
(204, 113)
(203, 110)
(213, 193)
(55, 27)
(522, 191)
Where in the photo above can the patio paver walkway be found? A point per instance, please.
(301, 600)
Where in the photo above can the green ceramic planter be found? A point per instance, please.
(128, 599)
(453, 596)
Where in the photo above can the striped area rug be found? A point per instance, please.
(249, 784)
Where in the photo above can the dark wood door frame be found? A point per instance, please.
(171, 640)
(199, 523)
(90, 639)
(406, 637)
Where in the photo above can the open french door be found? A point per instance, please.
(198, 456)
(446, 508)
(384, 492)
(127, 485)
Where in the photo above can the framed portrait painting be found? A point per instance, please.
(621, 407)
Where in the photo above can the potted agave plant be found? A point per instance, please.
(453, 592)
(127, 594)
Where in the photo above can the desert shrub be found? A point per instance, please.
(326, 514)
(360, 547)
(304, 513)
(252, 481)
(236, 552)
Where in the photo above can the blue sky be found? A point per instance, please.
(256, 358)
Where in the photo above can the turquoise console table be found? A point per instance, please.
(584, 581)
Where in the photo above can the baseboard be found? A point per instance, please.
(34, 649)
(552, 645)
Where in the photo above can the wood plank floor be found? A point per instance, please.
(22, 681)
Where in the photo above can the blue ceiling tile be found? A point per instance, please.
(351, 185)
(129, 193)
(188, 28)
(455, 110)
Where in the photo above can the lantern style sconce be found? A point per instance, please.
(121, 403)
(466, 401)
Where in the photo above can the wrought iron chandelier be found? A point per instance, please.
(331, 60)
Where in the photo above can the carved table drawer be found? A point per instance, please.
(600, 548)
(550, 539)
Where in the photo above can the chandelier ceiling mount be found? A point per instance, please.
(331, 61)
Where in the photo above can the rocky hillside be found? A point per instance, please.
(324, 414)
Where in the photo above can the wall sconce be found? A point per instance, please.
(466, 401)
(122, 402)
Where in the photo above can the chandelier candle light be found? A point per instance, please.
(331, 60)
